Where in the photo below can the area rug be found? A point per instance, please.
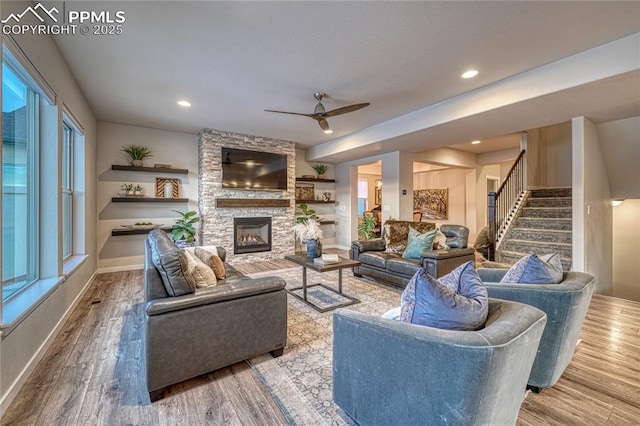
(300, 381)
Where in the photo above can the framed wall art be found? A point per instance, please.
(433, 203)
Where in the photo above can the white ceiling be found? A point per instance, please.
(232, 60)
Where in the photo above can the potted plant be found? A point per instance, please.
(365, 228)
(321, 169)
(183, 232)
(306, 213)
(137, 154)
(137, 190)
(126, 189)
(308, 232)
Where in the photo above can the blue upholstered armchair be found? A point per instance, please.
(387, 372)
(566, 306)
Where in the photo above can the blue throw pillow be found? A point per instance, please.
(417, 243)
(532, 269)
(456, 301)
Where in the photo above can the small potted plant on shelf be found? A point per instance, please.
(137, 154)
(307, 230)
(321, 169)
(126, 189)
(137, 190)
(183, 232)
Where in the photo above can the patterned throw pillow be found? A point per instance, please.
(201, 273)
(440, 242)
(213, 261)
(532, 269)
(417, 243)
(457, 301)
(396, 233)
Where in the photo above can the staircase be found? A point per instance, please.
(542, 225)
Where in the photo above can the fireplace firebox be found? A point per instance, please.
(251, 234)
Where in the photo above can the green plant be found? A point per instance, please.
(321, 168)
(127, 187)
(306, 214)
(365, 228)
(183, 228)
(137, 188)
(137, 152)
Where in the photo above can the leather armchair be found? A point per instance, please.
(192, 334)
(387, 372)
(565, 304)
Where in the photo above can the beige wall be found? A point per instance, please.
(626, 244)
(549, 156)
(178, 149)
(24, 346)
(455, 181)
(592, 216)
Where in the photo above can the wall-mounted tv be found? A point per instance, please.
(254, 170)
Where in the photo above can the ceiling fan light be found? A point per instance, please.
(324, 124)
(328, 131)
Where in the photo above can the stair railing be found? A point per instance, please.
(500, 202)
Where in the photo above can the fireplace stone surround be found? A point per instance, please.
(217, 223)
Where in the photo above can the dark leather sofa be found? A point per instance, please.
(192, 334)
(381, 263)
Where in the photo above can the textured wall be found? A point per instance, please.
(216, 226)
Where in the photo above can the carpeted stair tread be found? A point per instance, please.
(551, 192)
(552, 212)
(563, 223)
(549, 202)
(541, 235)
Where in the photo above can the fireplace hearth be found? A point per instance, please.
(251, 234)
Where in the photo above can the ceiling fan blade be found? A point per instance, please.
(345, 109)
(293, 113)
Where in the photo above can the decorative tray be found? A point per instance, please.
(143, 226)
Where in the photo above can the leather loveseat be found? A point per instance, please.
(381, 258)
(205, 329)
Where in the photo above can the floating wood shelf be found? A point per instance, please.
(301, 179)
(252, 202)
(150, 169)
(148, 200)
(123, 231)
(314, 202)
(327, 222)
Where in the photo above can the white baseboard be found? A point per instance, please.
(26, 372)
(119, 268)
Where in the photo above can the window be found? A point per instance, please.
(68, 137)
(363, 196)
(20, 146)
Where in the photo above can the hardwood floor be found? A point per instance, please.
(92, 374)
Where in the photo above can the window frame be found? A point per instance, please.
(67, 187)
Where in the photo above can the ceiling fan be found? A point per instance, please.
(320, 114)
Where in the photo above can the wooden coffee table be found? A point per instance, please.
(306, 263)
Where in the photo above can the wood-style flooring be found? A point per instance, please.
(92, 373)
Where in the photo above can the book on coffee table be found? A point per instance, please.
(326, 259)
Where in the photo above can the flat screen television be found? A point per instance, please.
(254, 170)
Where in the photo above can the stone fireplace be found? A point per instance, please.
(251, 234)
(220, 208)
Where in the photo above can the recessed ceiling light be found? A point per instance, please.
(469, 74)
(475, 142)
(328, 131)
(185, 104)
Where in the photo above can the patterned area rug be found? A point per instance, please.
(301, 380)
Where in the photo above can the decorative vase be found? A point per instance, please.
(314, 249)
(136, 163)
(130, 193)
(168, 190)
(137, 193)
(320, 176)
